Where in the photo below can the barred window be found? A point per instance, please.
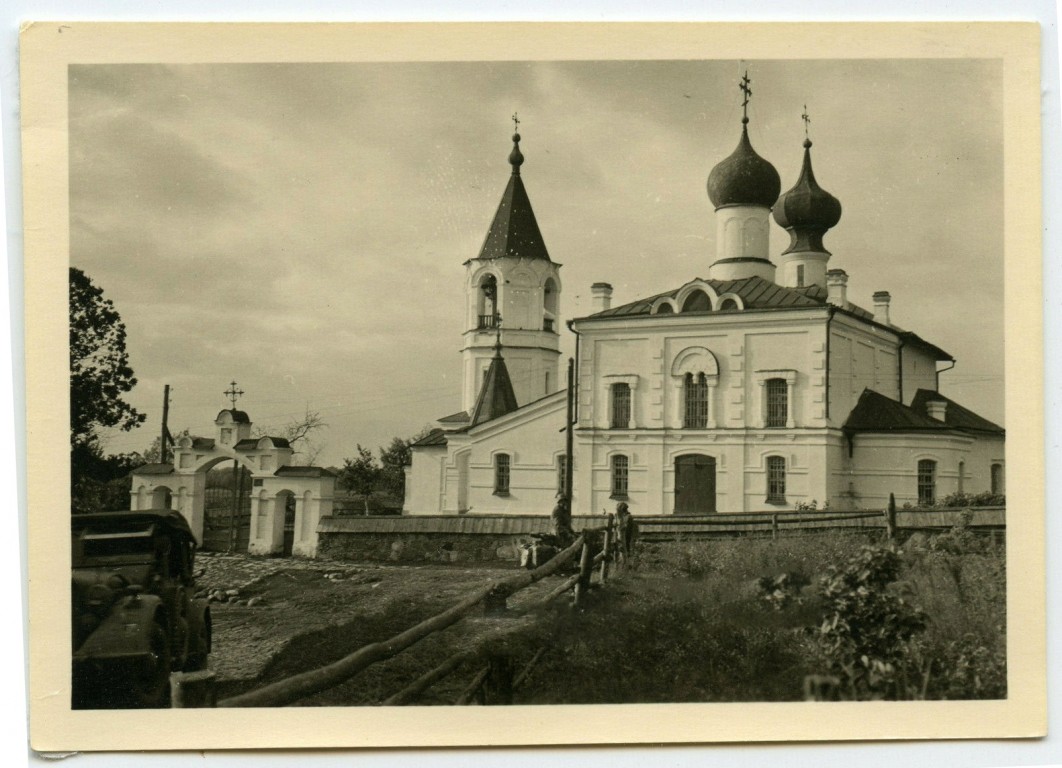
(620, 468)
(696, 388)
(501, 473)
(775, 480)
(562, 475)
(927, 482)
(777, 402)
(621, 406)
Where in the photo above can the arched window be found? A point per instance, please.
(696, 392)
(728, 305)
(501, 474)
(621, 405)
(997, 480)
(487, 302)
(664, 309)
(775, 480)
(620, 467)
(927, 482)
(697, 301)
(777, 403)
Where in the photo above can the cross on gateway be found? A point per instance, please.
(232, 393)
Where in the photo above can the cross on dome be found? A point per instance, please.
(233, 393)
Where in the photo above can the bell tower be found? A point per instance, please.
(512, 297)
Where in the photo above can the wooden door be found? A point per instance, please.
(694, 485)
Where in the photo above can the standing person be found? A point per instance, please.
(561, 522)
(628, 529)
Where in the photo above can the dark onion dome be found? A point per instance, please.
(807, 210)
(744, 178)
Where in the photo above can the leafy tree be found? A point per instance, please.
(393, 462)
(99, 376)
(360, 475)
(153, 454)
(99, 365)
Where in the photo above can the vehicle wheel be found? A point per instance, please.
(199, 651)
(150, 678)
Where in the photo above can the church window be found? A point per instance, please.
(728, 305)
(696, 391)
(800, 275)
(620, 467)
(501, 474)
(927, 482)
(488, 302)
(997, 479)
(562, 475)
(777, 403)
(621, 406)
(547, 383)
(962, 472)
(664, 309)
(697, 302)
(775, 480)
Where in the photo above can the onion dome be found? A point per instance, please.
(744, 178)
(807, 211)
(516, 157)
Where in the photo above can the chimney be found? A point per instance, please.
(881, 306)
(837, 287)
(602, 293)
(937, 409)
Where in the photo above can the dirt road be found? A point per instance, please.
(276, 617)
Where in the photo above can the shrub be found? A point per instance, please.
(864, 634)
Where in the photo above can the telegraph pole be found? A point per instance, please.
(569, 462)
(233, 393)
(165, 441)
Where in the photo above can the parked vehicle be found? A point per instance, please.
(134, 618)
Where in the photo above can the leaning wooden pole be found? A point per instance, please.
(300, 686)
(165, 441)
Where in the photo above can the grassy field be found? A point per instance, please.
(751, 619)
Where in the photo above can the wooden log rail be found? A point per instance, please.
(314, 681)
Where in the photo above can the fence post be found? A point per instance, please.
(494, 603)
(607, 550)
(585, 566)
(774, 526)
(498, 687)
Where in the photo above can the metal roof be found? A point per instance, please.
(154, 469)
(955, 415)
(291, 471)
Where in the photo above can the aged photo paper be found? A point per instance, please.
(324, 238)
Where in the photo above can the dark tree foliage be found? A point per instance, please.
(360, 475)
(99, 365)
(99, 376)
(393, 460)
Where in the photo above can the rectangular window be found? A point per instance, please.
(927, 482)
(621, 406)
(775, 480)
(619, 477)
(501, 474)
(777, 403)
(997, 479)
(800, 275)
(696, 402)
(562, 475)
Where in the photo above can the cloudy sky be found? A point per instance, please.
(302, 228)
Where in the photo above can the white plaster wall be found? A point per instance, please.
(425, 481)
(882, 464)
(861, 357)
(919, 372)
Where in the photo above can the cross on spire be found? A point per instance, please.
(233, 393)
(497, 334)
(807, 121)
(745, 89)
(516, 122)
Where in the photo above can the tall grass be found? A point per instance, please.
(689, 622)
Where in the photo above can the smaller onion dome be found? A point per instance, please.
(516, 157)
(807, 211)
(744, 178)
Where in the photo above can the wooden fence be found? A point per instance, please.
(670, 527)
(495, 682)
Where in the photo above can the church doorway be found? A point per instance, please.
(694, 485)
(287, 498)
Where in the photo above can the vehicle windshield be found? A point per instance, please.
(131, 546)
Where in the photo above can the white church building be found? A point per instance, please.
(757, 387)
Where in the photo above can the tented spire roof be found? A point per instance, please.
(514, 232)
